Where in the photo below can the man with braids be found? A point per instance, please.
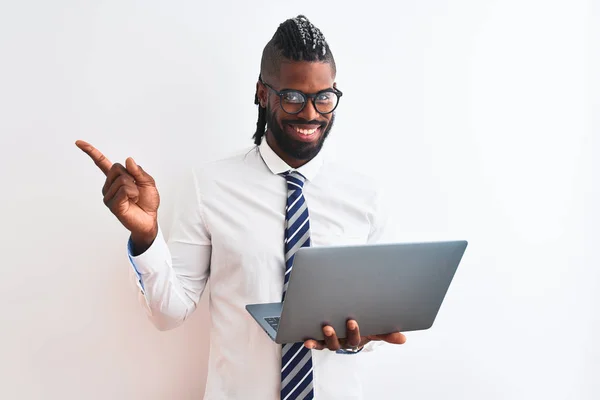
(239, 222)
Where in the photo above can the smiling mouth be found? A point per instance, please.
(305, 130)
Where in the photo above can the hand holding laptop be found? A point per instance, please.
(388, 288)
(352, 339)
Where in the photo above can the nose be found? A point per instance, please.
(309, 112)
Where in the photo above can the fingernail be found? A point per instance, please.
(352, 325)
(328, 331)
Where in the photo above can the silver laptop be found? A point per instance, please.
(384, 287)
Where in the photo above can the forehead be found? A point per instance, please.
(309, 77)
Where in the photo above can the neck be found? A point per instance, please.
(291, 161)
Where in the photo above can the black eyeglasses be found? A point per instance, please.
(293, 101)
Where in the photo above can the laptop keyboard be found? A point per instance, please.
(273, 321)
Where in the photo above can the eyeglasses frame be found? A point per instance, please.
(306, 96)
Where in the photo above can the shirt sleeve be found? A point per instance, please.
(172, 274)
(382, 226)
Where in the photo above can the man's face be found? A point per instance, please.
(299, 136)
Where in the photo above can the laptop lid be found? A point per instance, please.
(385, 287)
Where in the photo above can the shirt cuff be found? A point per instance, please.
(150, 260)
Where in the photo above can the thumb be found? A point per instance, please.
(394, 338)
(137, 172)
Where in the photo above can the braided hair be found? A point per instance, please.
(296, 39)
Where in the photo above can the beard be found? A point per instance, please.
(294, 148)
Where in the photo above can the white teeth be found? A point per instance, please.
(305, 131)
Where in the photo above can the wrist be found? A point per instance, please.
(141, 241)
(350, 350)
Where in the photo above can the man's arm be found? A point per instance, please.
(353, 343)
(383, 229)
(172, 275)
(381, 232)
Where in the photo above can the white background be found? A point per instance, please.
(481, 115)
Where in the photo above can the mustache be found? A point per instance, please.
(304, 122)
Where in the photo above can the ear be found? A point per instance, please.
(261, 94)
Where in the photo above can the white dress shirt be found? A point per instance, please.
(229, 228)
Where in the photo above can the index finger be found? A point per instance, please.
(314, 344)
(99, 159)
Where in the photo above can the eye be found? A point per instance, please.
(326, 97)
(293, 97)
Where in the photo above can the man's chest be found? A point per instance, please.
(255, 218)
(247, 227)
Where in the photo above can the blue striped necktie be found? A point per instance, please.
(296, 361)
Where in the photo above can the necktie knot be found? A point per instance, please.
(295, 180)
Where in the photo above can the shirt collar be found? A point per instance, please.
(278, 166)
